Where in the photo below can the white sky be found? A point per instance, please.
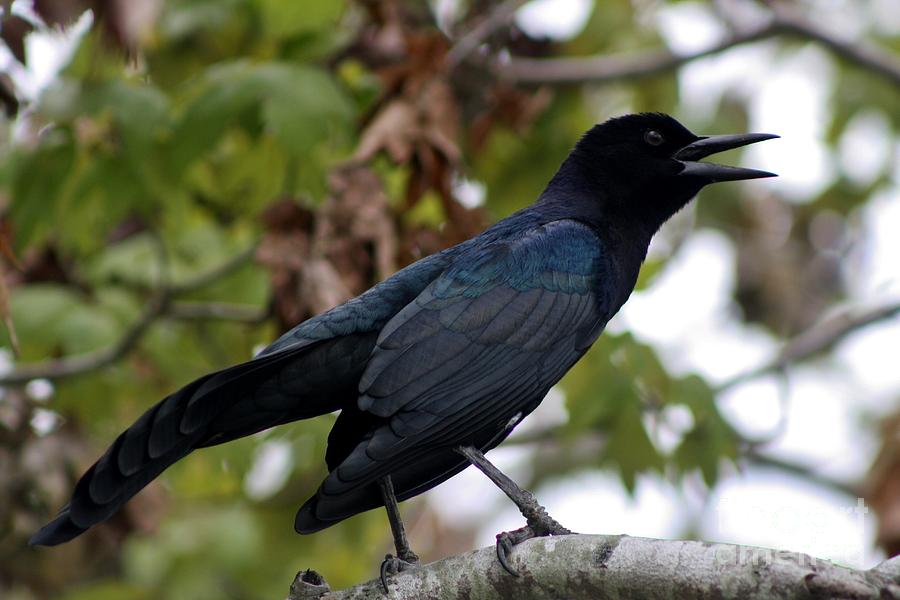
(788, 96)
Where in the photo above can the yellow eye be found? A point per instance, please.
(654, 138)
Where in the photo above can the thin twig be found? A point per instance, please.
(761, 459)
(5, 313)
(751, 453)
(68, 366)
(210, 311)
(608, 68)
(858, 52)
(605, 69)
(216, 273)
(158, 306)
(816, 340)
(467, 43)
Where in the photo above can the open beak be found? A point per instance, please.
(690, 154)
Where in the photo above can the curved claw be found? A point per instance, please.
(385, 565)
(504, 548)
(391, 565)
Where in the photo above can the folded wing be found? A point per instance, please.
(477, 349)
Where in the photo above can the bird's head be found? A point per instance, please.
(648, 165)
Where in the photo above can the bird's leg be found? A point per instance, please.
(405, 558)
(539, 523)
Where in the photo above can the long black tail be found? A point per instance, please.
(217, 407)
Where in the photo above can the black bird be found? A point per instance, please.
(437, 364)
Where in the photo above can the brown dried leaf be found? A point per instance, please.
(509, 106)
(355, 230)
(287, 215)
(5, 312)
(44, 264)
(425, 59)
(420, 241)
(385, 41)
(285, 249)
(5, 247)
(783, 281)
(321, 286)
(421, 131)
(440, 118)
(13, 30)
(8, 96)
(60, 13)
(127, 22)
(319, 260)
(883, 486)
(393, 130)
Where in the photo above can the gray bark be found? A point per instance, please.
(598, 567)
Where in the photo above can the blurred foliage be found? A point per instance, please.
(330, 137)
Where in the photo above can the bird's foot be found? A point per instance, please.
(392, 565)
(506, 540)
(539, 525)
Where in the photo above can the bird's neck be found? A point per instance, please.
(577, 193)
(574, 193)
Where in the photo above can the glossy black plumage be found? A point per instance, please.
(453, 350)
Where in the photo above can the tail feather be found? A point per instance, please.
(301, 382)
(107, 478)
(123, 470)
(204, 405)
(57, 531)
(132, 452)
(166, 433)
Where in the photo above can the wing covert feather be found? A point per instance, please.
(513, 312)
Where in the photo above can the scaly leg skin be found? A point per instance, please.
(406, 558)
(539, 523)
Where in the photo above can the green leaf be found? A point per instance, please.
(703, 448)
(712, 439)
(140, 111)
(133, 261)
(107, 590)
(300, 106)
(185, 20)
(38, 180)
(228, 92)
(282, 19)
(85, 327)
(304, 106)
(629, 447)
(37, 311)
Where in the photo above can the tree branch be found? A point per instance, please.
(857, 52)
(812, 342)
(215, 274)
(211, 311)
(467, 43)
(552, 456)
(68, 366)
(599, 566)
(816, 340)
(605, 69)
(159, 305)
(761, 459)
(608, 68)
